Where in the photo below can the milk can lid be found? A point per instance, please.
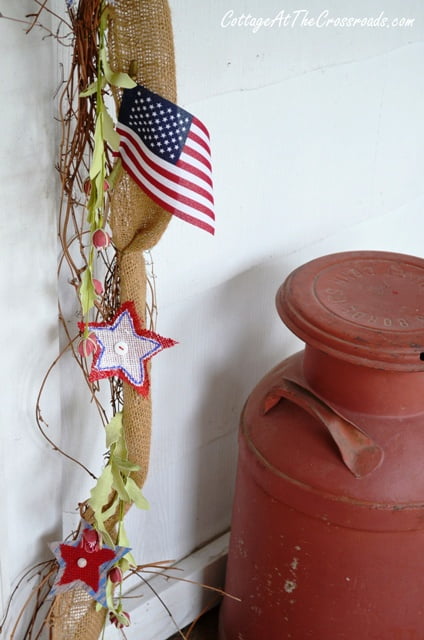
(366, 307)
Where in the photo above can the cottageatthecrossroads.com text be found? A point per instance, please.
(303, 18)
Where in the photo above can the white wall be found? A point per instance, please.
(30, 472)
(318, 146)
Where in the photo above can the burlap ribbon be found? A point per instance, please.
(140, 38)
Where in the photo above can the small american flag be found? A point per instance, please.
(166, 151)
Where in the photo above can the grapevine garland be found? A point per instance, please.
(115, 491)
(114, 336)
(88, 175)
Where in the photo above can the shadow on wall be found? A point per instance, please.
(245, 339)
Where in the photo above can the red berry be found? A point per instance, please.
(98, 286)
(115, 575)
(101, 239)
(87, 186)
(120, 622)
(87, 346)
(90, 540)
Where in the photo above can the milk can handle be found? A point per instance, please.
(360, 454)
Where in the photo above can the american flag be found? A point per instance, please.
(166, 151)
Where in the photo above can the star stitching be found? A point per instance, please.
(124, 348)
(79, 567)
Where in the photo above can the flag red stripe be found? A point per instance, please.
(179, 180)
(181, 164)
(201, 126)
(202, 143)
(196, 172)
(164, 205)
(174, 195)
(198, 156)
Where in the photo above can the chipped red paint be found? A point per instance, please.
(328, 522)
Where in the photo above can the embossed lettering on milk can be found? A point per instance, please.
(327, 534)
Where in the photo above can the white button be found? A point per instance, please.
(121, 348)
(82, 562)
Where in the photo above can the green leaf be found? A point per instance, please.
(105, 533)
(93, 87)
(120, 451)
(135, 494)
(109, 133)
(104, 16)
(109, 596)
(122, 619)
(119, 79)
(102, 517)
(108, 513)
(128, 560)
(100, 493)
(111, 178)
(114, 430)
(99, 204)
(124, 564)
(91, 205)
(119, 484)
(123, 540)
(87, 292)
(98, 160)
(125, 465)
(116, 78)
(99, 497)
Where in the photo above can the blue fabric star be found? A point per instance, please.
(80, 566)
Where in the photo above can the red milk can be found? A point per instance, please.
(327, 536)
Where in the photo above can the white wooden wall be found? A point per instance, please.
(318, 145)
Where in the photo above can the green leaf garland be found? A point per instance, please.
(115, 478)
